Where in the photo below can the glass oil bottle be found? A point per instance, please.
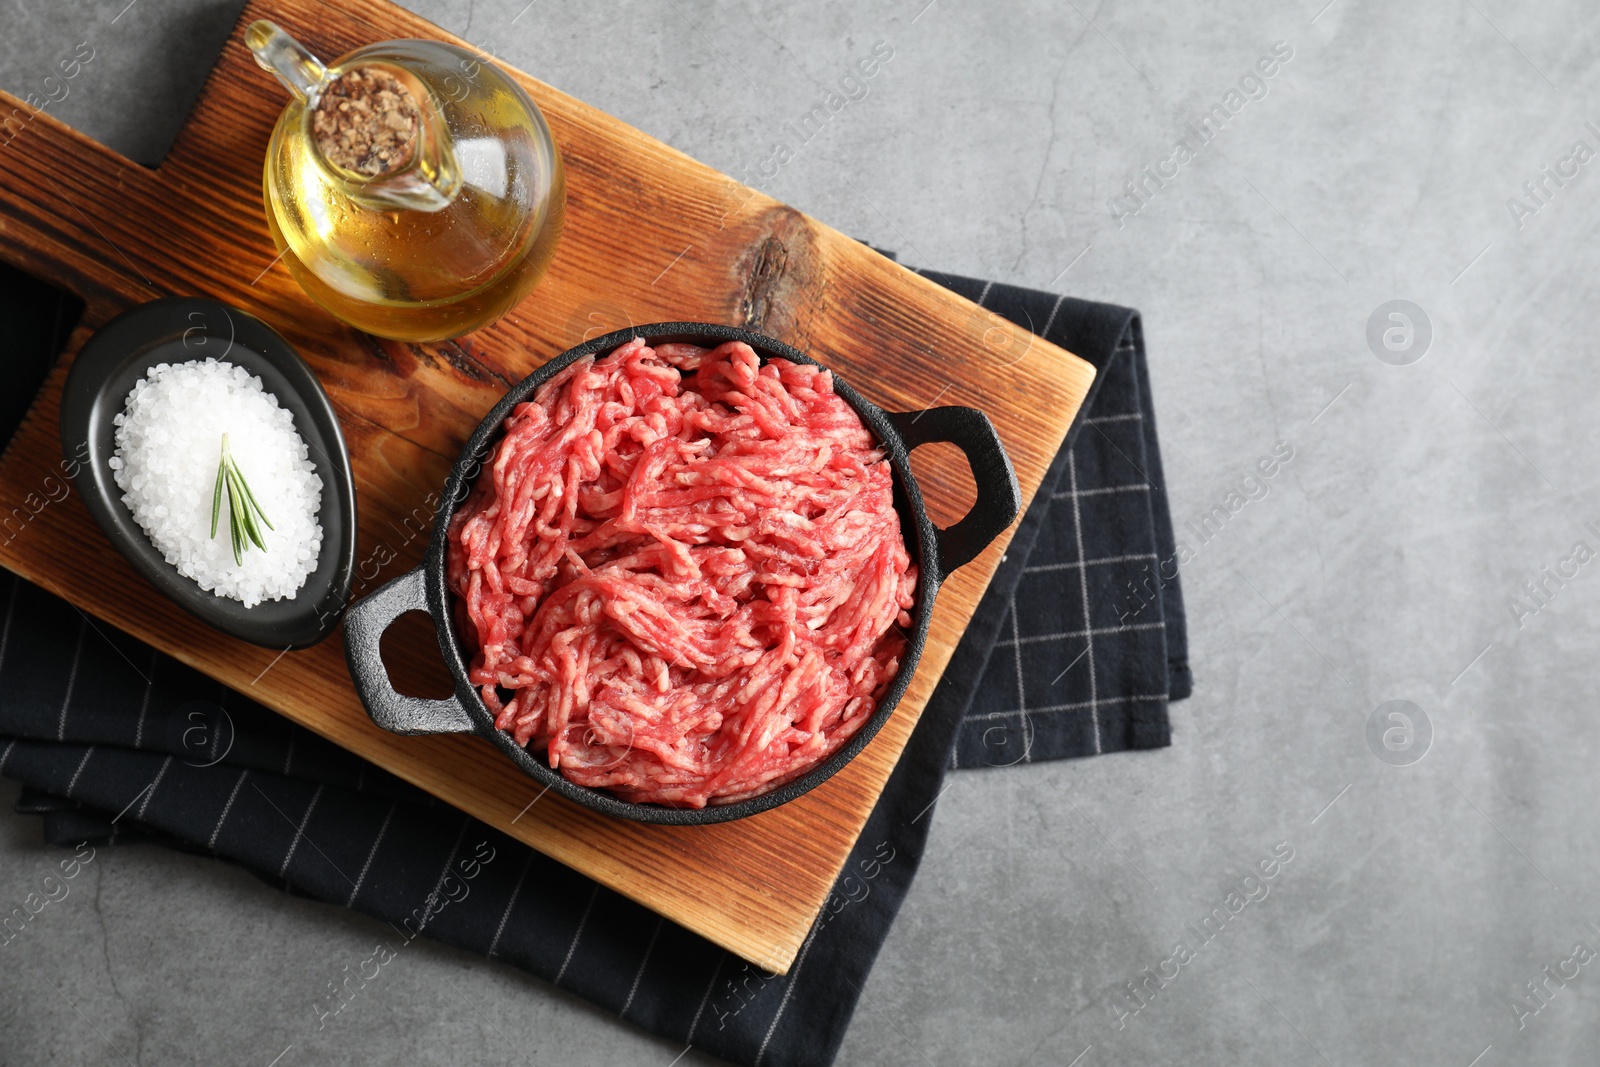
(412, 188)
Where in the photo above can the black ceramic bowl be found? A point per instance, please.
(178, 330)
(937, 552)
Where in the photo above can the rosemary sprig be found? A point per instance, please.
(245, 515)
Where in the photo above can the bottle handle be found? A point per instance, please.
(300, 72)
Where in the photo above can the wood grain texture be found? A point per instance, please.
(651, 235)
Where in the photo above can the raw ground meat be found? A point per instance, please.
(683, 571)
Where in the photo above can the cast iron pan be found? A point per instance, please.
(178, 330)
(938, 552)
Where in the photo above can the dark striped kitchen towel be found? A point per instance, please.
(1088, 639)
(1075, 650)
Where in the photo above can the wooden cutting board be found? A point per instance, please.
(651, 235)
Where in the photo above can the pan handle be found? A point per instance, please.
(999, 496)
(364, 625)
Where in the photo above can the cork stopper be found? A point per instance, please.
(365, 122)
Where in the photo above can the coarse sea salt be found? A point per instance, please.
(169, 443)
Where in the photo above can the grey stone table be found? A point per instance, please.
(1420, 546)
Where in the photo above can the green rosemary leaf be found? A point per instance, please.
(241, 513)
(245, 514)
(247, 510)
(216, 496)
(233, 527)
(250, 499)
